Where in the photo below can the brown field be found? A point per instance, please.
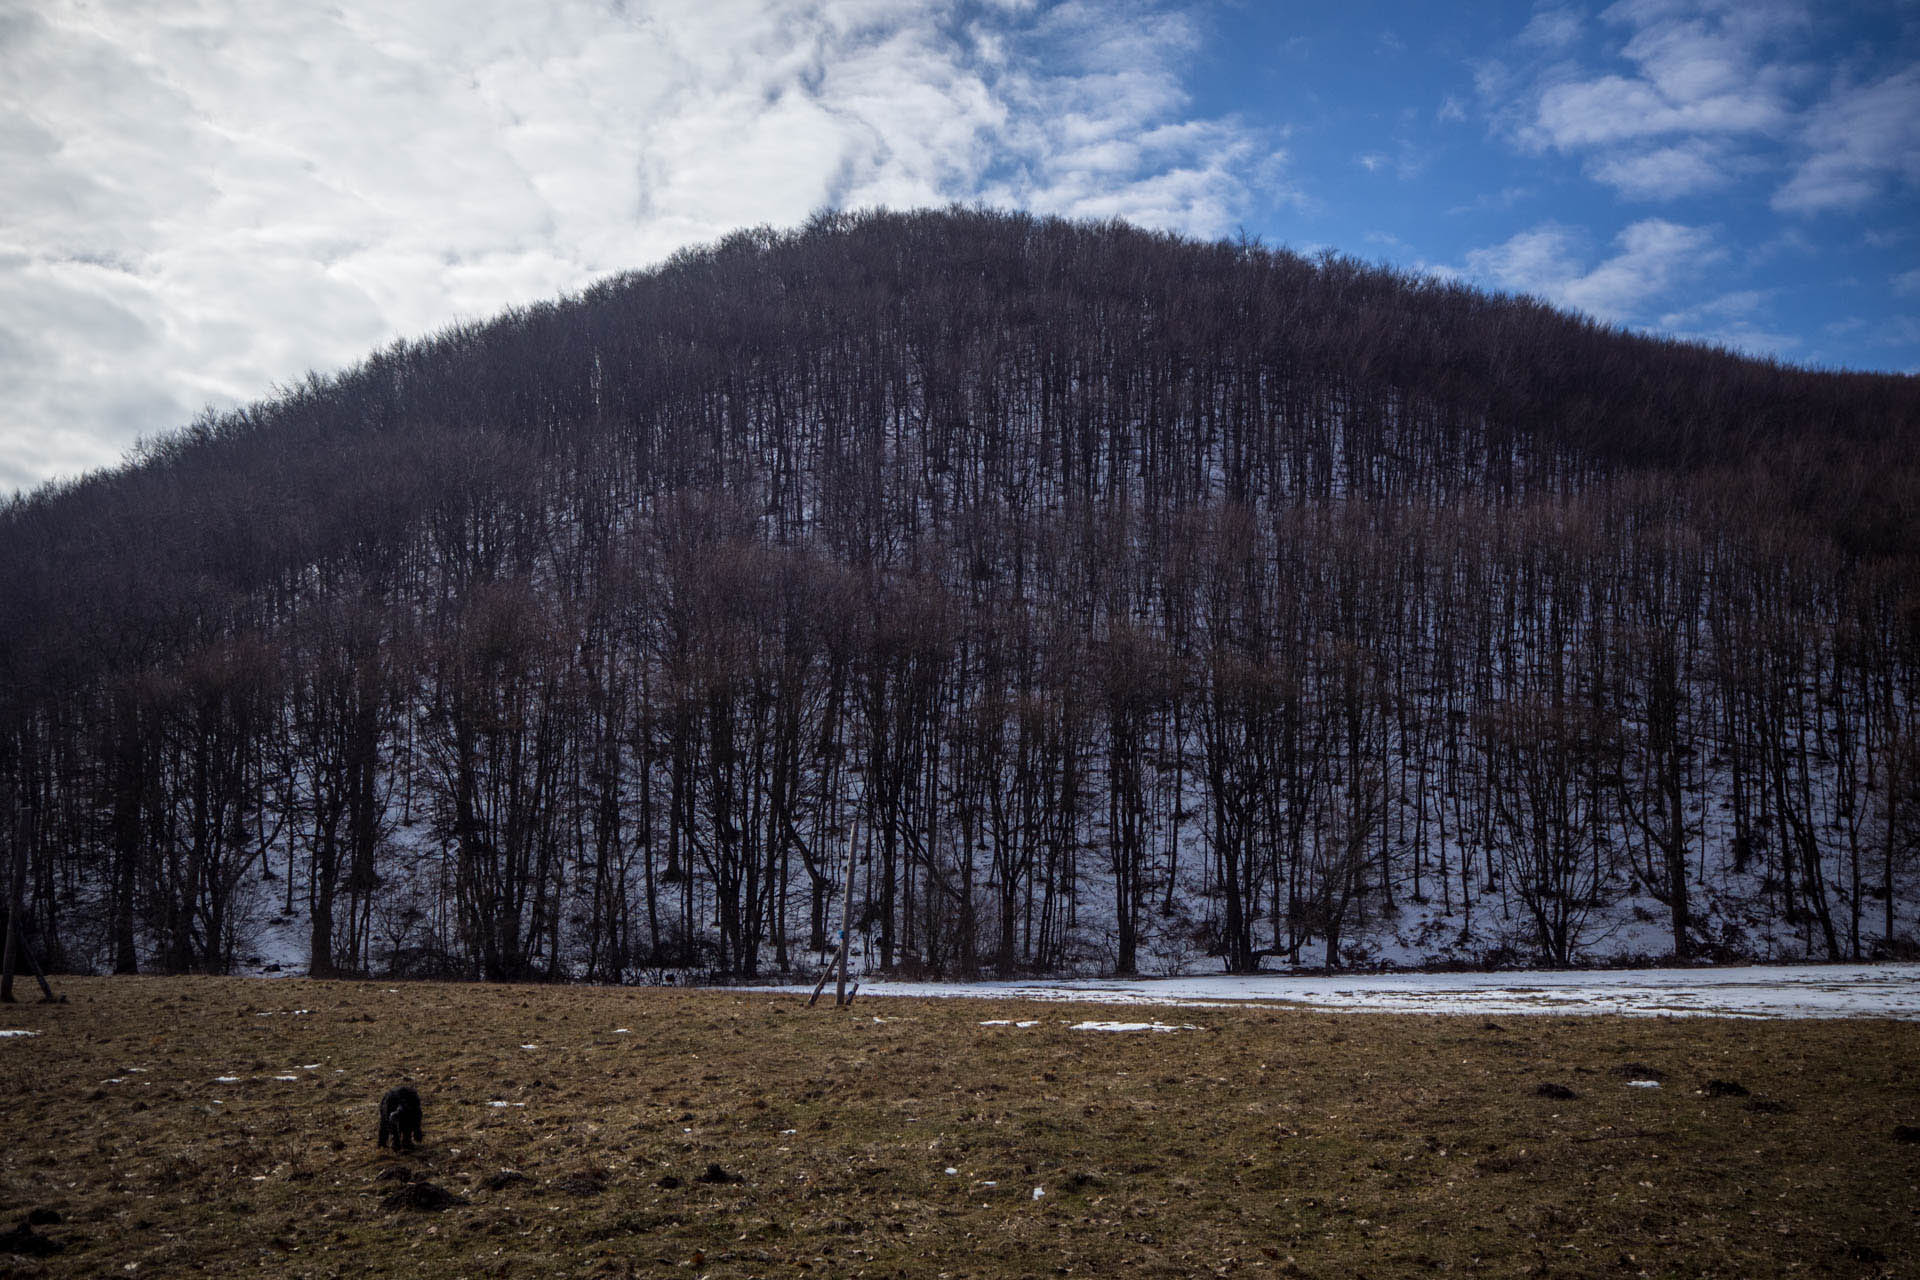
(741, 1134)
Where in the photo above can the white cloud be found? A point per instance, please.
(1687, 168)
(1715, 91)
(1732, 320)
(1700, 89)
(1907, 283)
(1861, 140)
(1553, 28)
(205, 198)
(1650, 258)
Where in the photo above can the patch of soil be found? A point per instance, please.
(504, 1179)
(1638, 1071)
(589, 1183)
(28, 1243)
(1726, 1089)
(422, 1196)
(1550, 1090)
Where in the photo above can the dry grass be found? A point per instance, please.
(1289, 1143)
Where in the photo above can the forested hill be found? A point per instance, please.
(1129, 600)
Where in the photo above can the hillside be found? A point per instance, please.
(1138, 602)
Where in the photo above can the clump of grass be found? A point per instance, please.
(766, 1139)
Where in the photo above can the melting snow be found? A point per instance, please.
(1759, 991)
(1132, 1026)
(1643, 1084)
(16, 1032)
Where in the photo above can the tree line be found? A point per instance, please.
(1131, 598)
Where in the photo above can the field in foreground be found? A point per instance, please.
(184, 1125)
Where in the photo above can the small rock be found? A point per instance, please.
(1560, 1091)
(717, 1175)
(1726, 1089)
(1906, 1133)
(44, 1218)
(669, 1183)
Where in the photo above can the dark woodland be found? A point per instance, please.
(1135, 599)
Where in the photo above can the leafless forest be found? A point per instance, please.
(1122, 589)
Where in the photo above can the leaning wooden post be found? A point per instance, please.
(846, 912)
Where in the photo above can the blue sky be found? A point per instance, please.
(205, 199)
(1743, 173)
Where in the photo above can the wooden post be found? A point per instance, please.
(846, 911)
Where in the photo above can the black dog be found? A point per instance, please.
(400, 1118)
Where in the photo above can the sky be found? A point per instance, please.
(203, 200)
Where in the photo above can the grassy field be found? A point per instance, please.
(166, 1126)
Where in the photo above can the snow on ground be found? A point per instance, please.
(5, 1034)
(1771, 991)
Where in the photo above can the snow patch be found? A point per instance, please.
(10, 1034)
(1132, 1026)
(1757, 991)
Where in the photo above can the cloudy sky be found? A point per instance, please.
(202, 199)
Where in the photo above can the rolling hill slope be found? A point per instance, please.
(1130, 600)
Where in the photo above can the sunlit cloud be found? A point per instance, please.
(205, 198)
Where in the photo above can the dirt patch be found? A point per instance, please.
(770, 1140)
